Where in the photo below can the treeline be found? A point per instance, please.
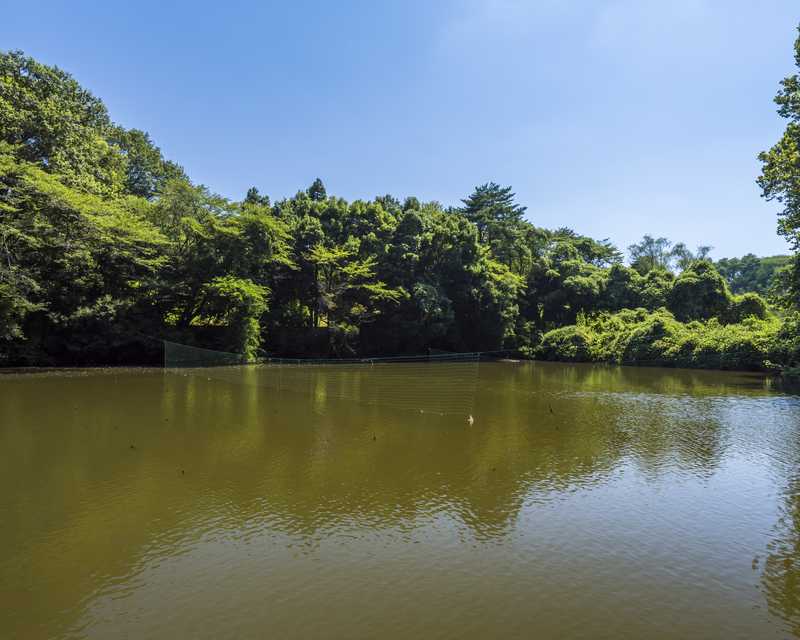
(106, 246)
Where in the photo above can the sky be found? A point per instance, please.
(613, 117)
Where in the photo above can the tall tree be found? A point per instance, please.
(49, 119)
(254, 197)
(146, 170)
(490, 206)
(780, 170)
(651, 253)
(751, 273)
(317, 191)
(684, 256)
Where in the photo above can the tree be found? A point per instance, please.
(699, 293)
(103, 239)
(651, 253)
(491, 207)
(255, 198)
(236, 305)
(780, 170)
(561, 284)
(659, 253)
(146, 170)
(49, 119)
(684, 257)
(74, 267)
(347, 290)
(751, 273)
(317, 191)
(601, 253)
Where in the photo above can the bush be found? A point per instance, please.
(699, 293)
(639, 337)
(746, 346)
(652, 340)
(746, 306)
(566, 344)
(786, 345)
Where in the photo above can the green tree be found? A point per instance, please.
(254, 197)
(317, 191)
(699, 293)
(146, 170)
(684, 257)
(751, 273)
(236, 305)
(651, 253)
(348, 295)
(780, 170)
(492, 209)
(75, 266)
(49, 119)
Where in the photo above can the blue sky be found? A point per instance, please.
(614, 117)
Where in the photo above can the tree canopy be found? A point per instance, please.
(106, 246)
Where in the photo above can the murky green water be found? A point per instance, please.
(583, 502)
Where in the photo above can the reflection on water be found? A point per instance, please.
(584, 502)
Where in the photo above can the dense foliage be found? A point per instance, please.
(106, 246)
(758, 275)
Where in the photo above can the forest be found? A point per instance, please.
(107, 247)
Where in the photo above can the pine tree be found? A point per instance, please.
(254, 197)
(317, 191)
(491, 205)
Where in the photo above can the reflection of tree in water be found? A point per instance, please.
(665, 420)
(257, 461)
(780, 579)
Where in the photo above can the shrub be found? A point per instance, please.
(640, 337)
(746, 306)
(652, 340)
(699, 293)
(786, 344)
(566, 344)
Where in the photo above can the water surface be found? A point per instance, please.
(583, 502)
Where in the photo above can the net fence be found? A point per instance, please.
(439, 382)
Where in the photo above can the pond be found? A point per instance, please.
(512, 500)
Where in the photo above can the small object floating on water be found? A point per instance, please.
(550, 406)
(132, 447)
(470, 420)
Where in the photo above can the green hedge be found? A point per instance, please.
(641, 337)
